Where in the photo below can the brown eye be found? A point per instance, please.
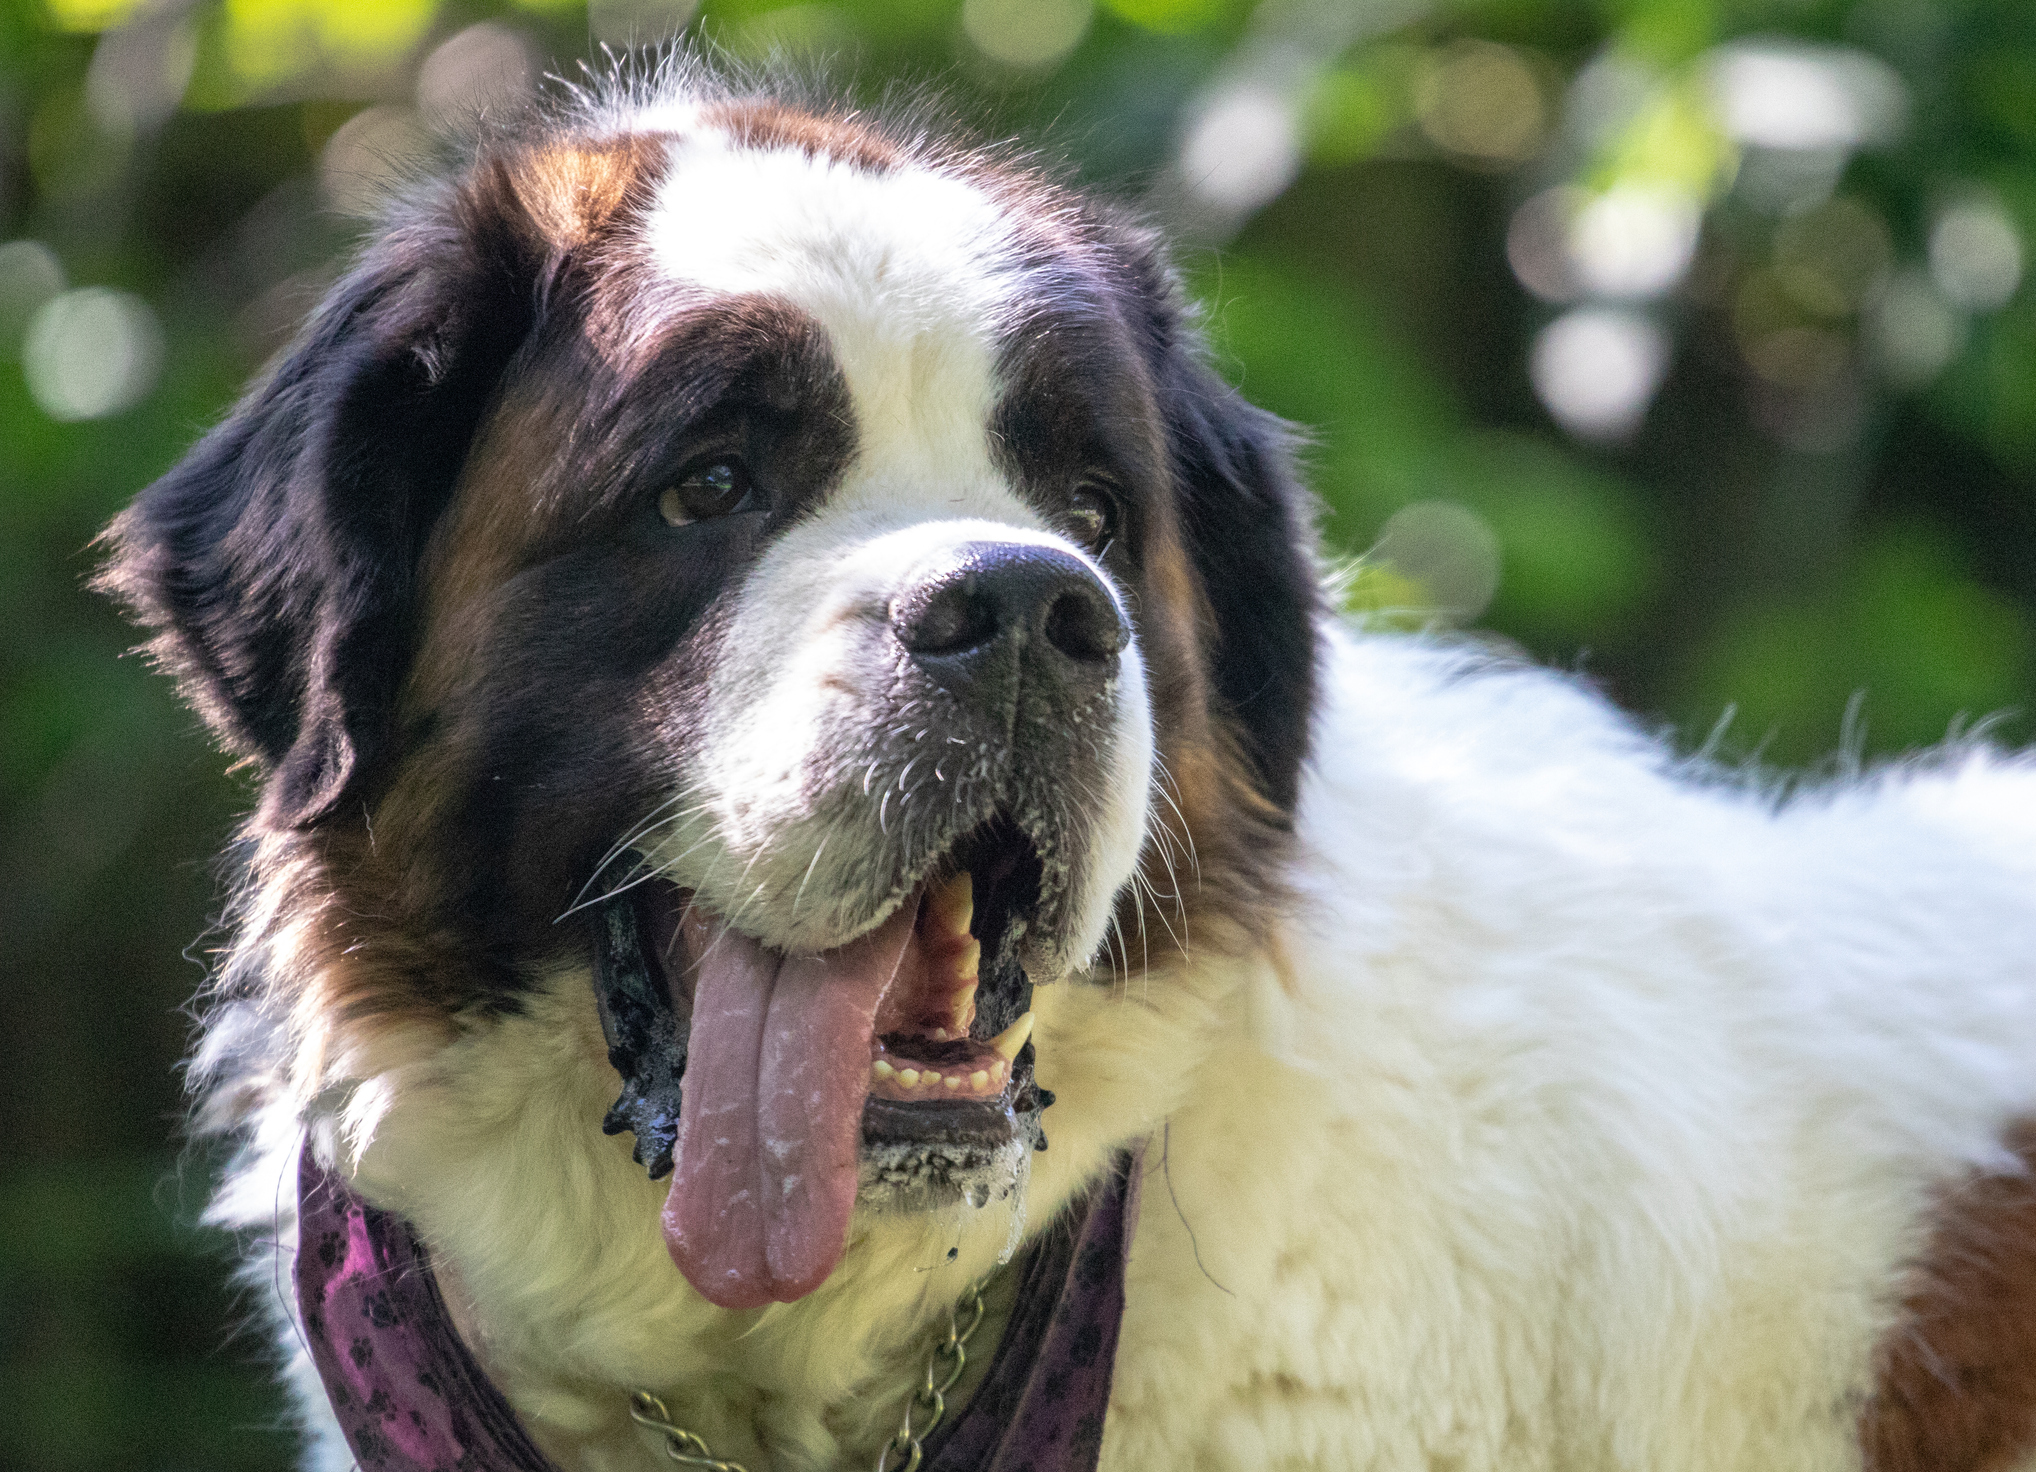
(1092, 516)
(715, 488)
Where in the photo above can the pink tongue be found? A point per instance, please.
(770, 1123)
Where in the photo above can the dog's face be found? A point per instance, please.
(825, 544)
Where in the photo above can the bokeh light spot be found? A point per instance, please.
(1784, 95)
(1243, 150)
(639, 22)
(370, 156)
(1976, 254)
(1026, 34)
(1798, 357)
(1596, 370)
(371, 31)
(86, 16)
(1833, 258)
(1482, 100)
(138, 73)
(92, 352)
(30, 275)
(483, 70)
(1538, 241)
(269, 42)
(1634, 240)
(1914, 332)
(1447, 551)
(1779, 341)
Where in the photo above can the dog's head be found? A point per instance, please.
(826, 542)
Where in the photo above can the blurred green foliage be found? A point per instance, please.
(1589, 348)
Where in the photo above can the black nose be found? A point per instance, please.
(991, 609)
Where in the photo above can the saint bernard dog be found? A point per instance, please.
(810, 555)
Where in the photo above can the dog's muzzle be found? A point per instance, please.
(893, 1066)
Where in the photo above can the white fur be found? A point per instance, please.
(1598, 1119)
(1581, 1114)
(1584, 1118)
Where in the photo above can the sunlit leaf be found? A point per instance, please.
(88, 15)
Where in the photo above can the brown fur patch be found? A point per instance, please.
(574, 190)
(1955, 1379)
(1210, 877)
(842, 137)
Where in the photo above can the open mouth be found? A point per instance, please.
(944, 1031)
(897, 1066)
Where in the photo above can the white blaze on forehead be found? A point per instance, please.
(910, 273)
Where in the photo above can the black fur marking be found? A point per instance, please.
(646, 1035)
(276, 561)
(1029, 1099)
(1246, 521)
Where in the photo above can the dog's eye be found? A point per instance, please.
(715, 488)
(1092, 515)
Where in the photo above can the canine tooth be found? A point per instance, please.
(968, 961)
(939, 1034)
(953, 1080)
(909, 1077)
(881, 1070)
(1012, 1038)
(980, 1079)
(954, 904)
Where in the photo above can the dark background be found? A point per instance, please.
(1681, 343)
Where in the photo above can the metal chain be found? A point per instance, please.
(943, 1369)
(931, 1396)
(682, 1447)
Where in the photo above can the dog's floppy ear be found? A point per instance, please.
(274, 563)
(1249, 525)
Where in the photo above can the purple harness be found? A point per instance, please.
(410, 1397)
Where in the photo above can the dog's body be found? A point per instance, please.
(1511, 1097)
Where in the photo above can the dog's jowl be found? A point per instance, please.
(813, 812)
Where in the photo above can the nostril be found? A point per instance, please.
(1036, 603)
(946, 619)
(1084, 624)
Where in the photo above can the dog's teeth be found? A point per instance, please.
(953, 904)
(968, 961)
(997, 1070)
(979, 1080)
(1012, 1038)
(939, 1034)
(881, 1071)
(909, 1077)
(953, 1080)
